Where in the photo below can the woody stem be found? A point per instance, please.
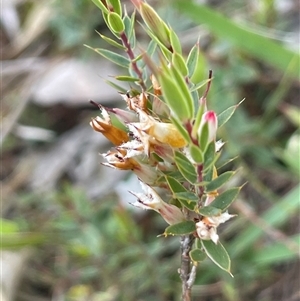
(187, 275)
(132, 58)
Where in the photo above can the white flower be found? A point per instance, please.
(219, 144)
(133, 148)
(151, 200)
(207, 227)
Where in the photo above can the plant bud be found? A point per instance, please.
(158, 27)
(208, 129)
(115, 22)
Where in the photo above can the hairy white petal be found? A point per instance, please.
(219, 144)
(222, 218)
(133, 148)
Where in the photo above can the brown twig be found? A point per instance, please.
(132, 58)
(187, 275)
(208, 84)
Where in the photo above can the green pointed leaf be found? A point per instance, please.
(186, 203)
(132, 23)
(203, 137)
(115, 22)
(197, 255)
(116, 4)
(186, 168)
(210, 156)
(151, 48)
(182, 228)
(208, 175)
(163, 48)
(129, 29)
(192, 60)
(138, 58)
(127, 24)
(182, 85)
(111, 41)
(196, 153)
(200, 85)
(111, 56)
(117, 87)
(178, 190)
(195, 96)
(174, 96)
(174, 185)
(227, 114)
(219, 181)
(218, 254)
(209, 211)
(224, 200)
(198, 244)
(132, 72)
(156, 25)
(200, 110)
(186, 195)
(179, 63)
(105, 18)
(126, 78)
(173, 174)
(200, 72)
(175, 42)
(100, 5)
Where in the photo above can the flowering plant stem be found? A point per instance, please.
(168, 137)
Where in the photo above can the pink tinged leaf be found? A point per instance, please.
(171, 214)
(151, 200)
(160, 108)
(209, 199)
(124, 116)
(146, 173)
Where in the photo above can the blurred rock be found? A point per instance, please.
(10, 18)
(75, 154)
(51, 164)
(12, 270)
(73, 82)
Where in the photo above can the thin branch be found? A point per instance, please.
(192, 277)
(185, 269)
(132, 57)
(208, 84)
(200, 189)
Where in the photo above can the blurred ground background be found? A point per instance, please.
(67, 231)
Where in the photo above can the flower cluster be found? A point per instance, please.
(147, 148)
(167, 136)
